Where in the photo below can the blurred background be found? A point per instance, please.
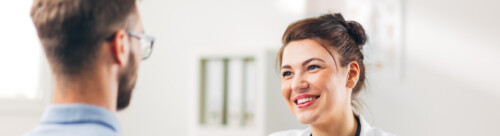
(433, 66)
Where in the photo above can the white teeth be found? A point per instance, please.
(303, 100)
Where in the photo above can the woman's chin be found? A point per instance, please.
(306, 117)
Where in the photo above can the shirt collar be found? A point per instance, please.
(80, 113)
(365, 127)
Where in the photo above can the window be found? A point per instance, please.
(23, 70)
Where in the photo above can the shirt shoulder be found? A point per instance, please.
(368, 130)
(71, 130)
(377, 132)
(76, 120)
(294, 132)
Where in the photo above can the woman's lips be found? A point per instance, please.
(305, 100)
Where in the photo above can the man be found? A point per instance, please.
(94, 48)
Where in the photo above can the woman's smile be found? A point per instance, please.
(305, 100)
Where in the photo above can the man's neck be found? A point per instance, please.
(338, 125)
(97, 88)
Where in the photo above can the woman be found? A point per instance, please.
(322, 71)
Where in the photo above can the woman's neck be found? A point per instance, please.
(337, 125)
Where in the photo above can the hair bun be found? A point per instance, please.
(357, 32)
(354, 29)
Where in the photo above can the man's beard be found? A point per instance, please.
(126, 83)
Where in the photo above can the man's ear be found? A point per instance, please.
(119, 48)
(352, 74)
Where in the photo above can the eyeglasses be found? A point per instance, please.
(146, 42)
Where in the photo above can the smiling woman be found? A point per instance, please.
(322, 72)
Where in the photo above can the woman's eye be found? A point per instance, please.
(313, 67)
(285, 74)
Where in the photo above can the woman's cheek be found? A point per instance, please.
(286, 90)
(315, 80)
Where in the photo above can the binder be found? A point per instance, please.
(214, 82)
(235, 86)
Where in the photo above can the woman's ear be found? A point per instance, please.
(352, 74)
(119, 49)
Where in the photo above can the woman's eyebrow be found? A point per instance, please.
(286, 66)
(304, 63)
(310, 60)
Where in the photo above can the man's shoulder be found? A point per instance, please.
(76, 120)
(71, 130)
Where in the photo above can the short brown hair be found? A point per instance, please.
(72, 31)
(335, 34)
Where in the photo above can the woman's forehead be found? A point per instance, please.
(302, 50)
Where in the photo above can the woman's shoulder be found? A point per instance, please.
(294, 132)
(375, 132)
(368, 130)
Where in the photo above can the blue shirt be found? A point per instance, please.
(77, 120)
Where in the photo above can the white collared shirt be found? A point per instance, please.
(366, 130)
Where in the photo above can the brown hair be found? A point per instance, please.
(72, 31)
(334, 34)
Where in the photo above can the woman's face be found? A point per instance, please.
(313, 82)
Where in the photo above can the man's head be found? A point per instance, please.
(74, 32)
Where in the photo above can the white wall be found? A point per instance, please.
(159, 103)
(451, 79)
(450, 86)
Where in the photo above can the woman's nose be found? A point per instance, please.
(299, 84)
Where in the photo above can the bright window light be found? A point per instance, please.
(291, 6)
(20, 52)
